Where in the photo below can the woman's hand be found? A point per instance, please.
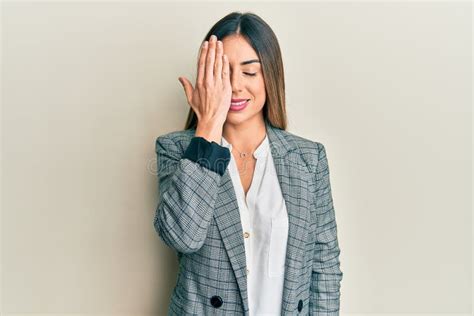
(211, 98)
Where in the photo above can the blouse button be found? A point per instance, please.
(246, 235)
(247, 271)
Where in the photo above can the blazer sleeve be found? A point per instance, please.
(188, 186)
(326, 274)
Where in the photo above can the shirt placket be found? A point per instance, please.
(249, 203)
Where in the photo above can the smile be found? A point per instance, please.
(238, 106)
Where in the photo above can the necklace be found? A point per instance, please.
(244, 156)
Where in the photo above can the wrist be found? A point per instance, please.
(211, 131)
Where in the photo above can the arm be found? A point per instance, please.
(188, 187)
(326, 274)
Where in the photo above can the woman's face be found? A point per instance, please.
(246, 78)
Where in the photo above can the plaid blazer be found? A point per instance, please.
(198, 216)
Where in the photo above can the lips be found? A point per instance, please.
(238, 105)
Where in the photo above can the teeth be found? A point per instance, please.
(238, 103)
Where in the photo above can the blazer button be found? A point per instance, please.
(216, 301)
(300, 305)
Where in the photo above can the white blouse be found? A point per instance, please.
(265, 227)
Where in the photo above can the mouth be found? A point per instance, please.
(239, 106)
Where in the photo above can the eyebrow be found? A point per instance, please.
(250, 61)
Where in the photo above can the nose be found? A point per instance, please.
(235, 81)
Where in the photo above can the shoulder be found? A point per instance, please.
(310, 151)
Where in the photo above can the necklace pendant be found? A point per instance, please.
(243, 155)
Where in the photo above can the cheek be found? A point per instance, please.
(259, 94)
(258, 90)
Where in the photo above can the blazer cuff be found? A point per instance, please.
(210, 155)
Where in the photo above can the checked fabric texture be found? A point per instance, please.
(198, 217)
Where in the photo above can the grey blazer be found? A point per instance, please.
(198, 217)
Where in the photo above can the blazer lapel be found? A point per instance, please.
(294, 186)
(227, 217)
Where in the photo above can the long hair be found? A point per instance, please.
(265, 43)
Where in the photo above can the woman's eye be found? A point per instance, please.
(249, 74)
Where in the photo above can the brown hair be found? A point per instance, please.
(265, 43)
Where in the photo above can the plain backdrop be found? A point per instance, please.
(88, 86)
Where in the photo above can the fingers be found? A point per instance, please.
(218, 64)
(211, 56)
(188, 88)
(225, 71)
(202, 63)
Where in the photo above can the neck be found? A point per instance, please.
(246, 136)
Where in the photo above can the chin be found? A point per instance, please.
(236, 118)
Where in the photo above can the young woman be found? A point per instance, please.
(246, 204)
